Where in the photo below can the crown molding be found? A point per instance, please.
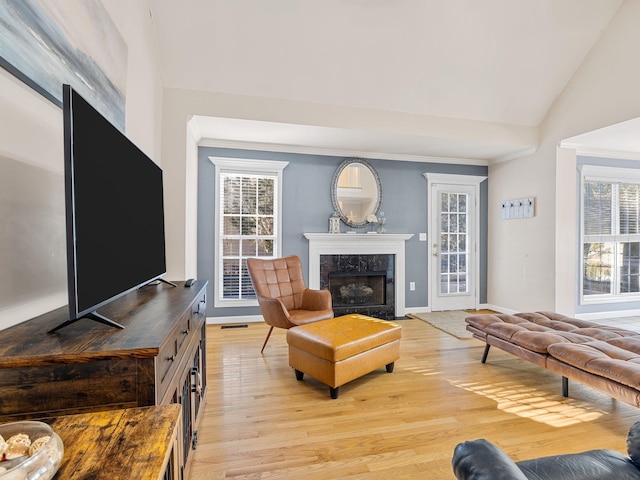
(274, 147)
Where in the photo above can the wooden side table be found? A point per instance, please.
(141, 443)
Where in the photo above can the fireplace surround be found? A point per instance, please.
(361, 284)
(372, 261)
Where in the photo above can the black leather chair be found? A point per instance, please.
(482, 460)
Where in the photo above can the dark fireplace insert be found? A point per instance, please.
(360, 284)
(357, 288)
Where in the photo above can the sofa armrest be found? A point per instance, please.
(482, 460)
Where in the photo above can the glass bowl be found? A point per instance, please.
(41, 464)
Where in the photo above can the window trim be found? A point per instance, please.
(250, 167)
(612, 175)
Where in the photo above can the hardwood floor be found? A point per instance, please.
(260, 422)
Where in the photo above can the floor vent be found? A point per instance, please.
(234, 326)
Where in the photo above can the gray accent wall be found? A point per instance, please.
(306, 207)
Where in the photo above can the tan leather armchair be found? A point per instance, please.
(284, 299)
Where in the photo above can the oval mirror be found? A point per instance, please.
(356, 192)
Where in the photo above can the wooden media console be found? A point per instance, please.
(158, 358)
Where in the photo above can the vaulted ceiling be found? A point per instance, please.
(472, 65)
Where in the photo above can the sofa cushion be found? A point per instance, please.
(536, 331)
(556, 320)
(537, 341)
(604, 332)
(602, 359)
(632, 344)
(483, 320)
(534, 337)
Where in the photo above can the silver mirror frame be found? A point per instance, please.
(334, 191)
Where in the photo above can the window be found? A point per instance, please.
(610, 235)
(248, 224)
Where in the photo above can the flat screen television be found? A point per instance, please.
(114, 212)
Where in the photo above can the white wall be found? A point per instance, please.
(144, 84)
(32, 251)
(520, 264)
(523, 273)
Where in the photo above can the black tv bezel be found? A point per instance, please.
(70, 214)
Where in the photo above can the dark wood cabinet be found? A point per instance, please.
(158, 358)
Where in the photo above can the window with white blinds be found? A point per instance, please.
(248, 224)
(629, 208)
(611, 237)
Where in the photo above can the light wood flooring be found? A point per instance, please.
(260, 423)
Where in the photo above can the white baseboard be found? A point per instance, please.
(416, 310)
(500, 309)
(234, 320)
(610, 314)
(481, 306)
(258, 318)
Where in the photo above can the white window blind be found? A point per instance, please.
(248, 224)
(629, 208)
(597, 208)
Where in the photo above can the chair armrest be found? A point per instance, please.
(274, 312)
(316, 300)
(482, 460)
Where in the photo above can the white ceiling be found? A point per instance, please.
(472, 63)
(622, 139)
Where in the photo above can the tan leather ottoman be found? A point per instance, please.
(341, 349)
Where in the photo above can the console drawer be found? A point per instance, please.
(173, 351)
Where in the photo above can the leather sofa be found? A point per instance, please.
(603, 357)
(483, 460)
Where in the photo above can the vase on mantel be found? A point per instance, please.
(381, 223)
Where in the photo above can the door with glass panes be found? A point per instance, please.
(453, 247)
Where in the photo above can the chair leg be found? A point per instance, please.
(266, 339)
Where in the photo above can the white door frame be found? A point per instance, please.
(452, 179)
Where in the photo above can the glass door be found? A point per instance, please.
(453, 247)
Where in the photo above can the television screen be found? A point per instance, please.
(114, 208)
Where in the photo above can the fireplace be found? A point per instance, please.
(357, 289)
(362, 284)
(375, 261)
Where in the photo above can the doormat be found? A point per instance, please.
(451, 322)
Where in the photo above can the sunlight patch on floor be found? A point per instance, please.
(536, 405)
(423, 371)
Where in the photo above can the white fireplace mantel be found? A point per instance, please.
(360, 244)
